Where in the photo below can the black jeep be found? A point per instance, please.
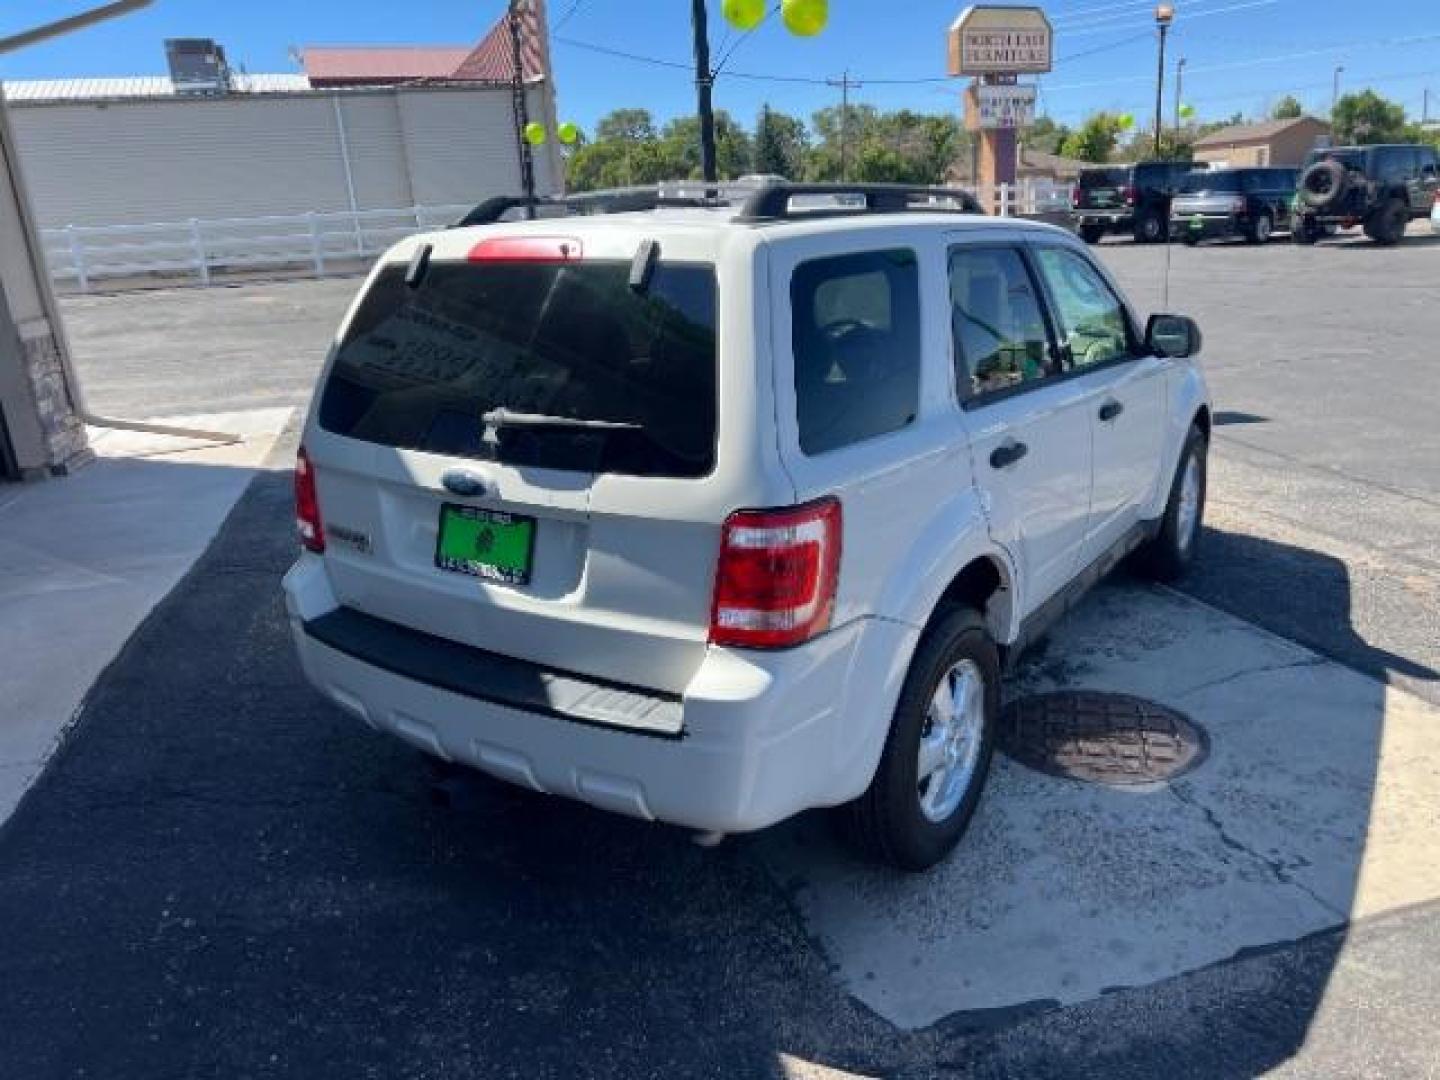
(1128, 198)
(1378, 187)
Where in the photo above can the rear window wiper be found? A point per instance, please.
(502, 418)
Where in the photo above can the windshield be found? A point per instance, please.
(1103, 178)
(419, 368)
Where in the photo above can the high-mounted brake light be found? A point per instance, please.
(307, 505)
(776, 578)
(546, 249)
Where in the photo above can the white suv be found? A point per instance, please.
(712, 514)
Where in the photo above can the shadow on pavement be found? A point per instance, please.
(1298, 593)
(222, 875)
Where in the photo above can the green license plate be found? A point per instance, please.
(485, 544)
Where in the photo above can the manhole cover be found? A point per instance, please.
(1102, 738)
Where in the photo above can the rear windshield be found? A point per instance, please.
(1223, 181)
(1103, 178)
(1351, 159)
(419, 368)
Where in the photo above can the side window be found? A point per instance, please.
(1000, 338)
(856, 339)
(1092, 320)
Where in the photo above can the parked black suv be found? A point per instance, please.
(1128, 198)
(1378, 187)
(1251, 203)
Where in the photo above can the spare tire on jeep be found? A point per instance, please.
(1323, 184)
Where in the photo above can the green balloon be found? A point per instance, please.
(1187, 111)
(805, 18)
(744, 14)
(568, 133)
(535, 133)
(1126, 121)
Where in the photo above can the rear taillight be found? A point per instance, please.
(307, 505)
(775, 582)
(1128, 194)
(1075, 196)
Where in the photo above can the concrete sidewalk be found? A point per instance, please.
(85, 558)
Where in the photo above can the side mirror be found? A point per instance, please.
(1175, 336)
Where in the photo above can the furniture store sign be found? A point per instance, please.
(1005, 106)
(987, 40)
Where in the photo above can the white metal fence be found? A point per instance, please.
(201, 249)
(1025, 197)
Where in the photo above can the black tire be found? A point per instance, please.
(1386, 226)
(1189, 240)
(1260, 229)
(1303, 230)
(1323, 184)
(1169, 554)
(1092, 231)
(1150, 228)
(887, 822)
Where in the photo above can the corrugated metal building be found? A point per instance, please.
(363, 129)
(150, 156)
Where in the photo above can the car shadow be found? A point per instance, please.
(221, 873)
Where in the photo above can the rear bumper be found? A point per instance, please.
(762, 735)
(1111, 219)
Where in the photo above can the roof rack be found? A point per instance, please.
(770, 201)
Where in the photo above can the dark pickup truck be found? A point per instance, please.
(1223, 203)
(1131, 199)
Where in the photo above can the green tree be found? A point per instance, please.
(680, 146)
(900, 147)
(1045, 135)
(1095, 140)
(1287, 108)
(1367, 117)
(625, 125)
(781, 143)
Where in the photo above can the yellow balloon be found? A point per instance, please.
(744, 14)
(535, 133)
(568, 132)
(1126, 121)
(805, 18)
(1187, 111)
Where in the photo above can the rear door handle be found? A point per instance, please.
(1007, 454)
(1110, 410)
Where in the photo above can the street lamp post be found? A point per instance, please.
(1179, 85)
(1164, 15)
(1335, 93)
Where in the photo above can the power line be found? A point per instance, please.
(575, 6)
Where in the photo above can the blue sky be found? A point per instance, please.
(1241, 54)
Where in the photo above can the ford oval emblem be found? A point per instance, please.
(463, 483)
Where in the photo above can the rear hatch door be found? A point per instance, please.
(469, 427)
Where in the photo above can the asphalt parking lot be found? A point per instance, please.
(221, 875)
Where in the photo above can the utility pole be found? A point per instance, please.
(704, 85)
(846, 84)
(1179, 84)
(1335, 93)
(1164, 13)
(521, 108)
(1425, 108)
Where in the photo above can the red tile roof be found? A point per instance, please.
(489, 61)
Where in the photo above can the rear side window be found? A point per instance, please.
(856, 340)
(419, 368)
